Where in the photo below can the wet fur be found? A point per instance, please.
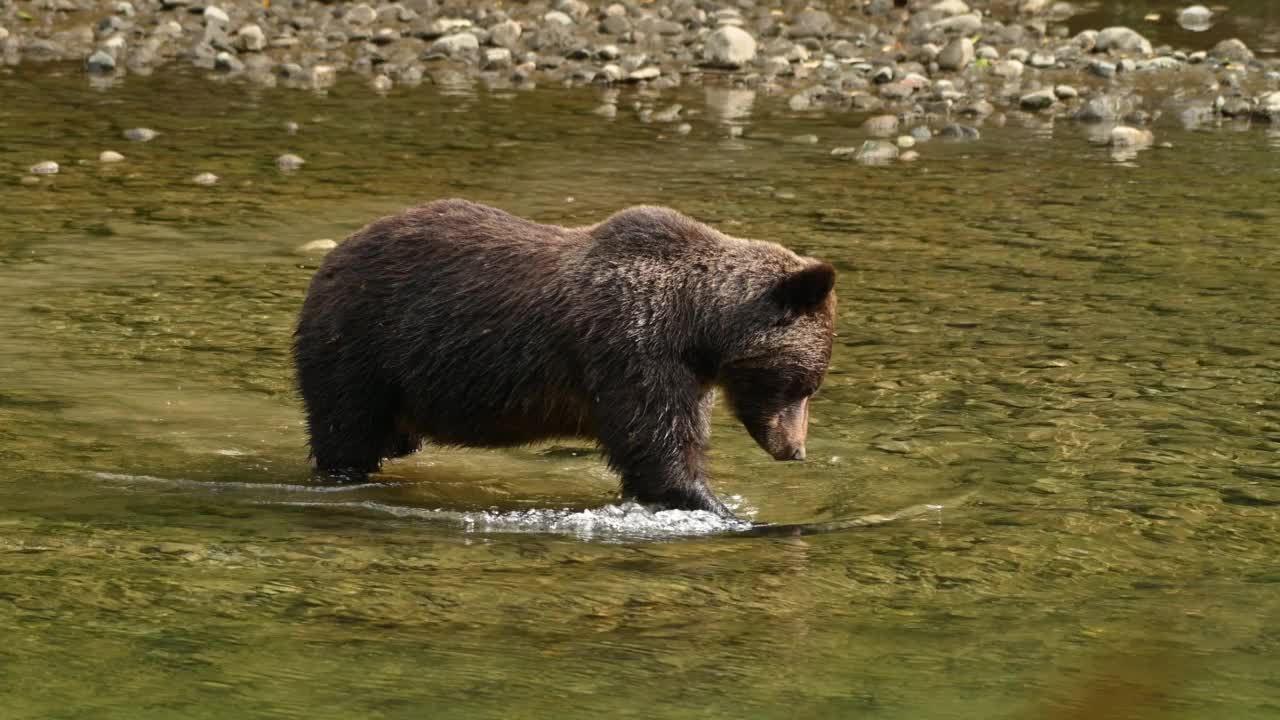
(464, 325)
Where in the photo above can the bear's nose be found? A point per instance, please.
(798, 454)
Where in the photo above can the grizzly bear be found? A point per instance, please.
(464, 325)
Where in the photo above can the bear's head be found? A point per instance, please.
(780, 355)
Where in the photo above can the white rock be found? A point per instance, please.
(289, 161)
(644, 73)
(361, 14)
(251, 38)
(48, 167)
(205, 178)
(556, 17)
(950, 7)
(214, 14)
(729, 46)
(1125, 136)
(110, 156)
(323, 245)
(455, 44)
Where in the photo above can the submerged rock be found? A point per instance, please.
(1128, 137)
(1196, 18)
(289, 161)
(140, 134)
(47, 167)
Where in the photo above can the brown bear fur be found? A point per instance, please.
(464, 325)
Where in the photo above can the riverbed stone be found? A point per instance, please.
(289, 161)
(876, 152)
(644, 74)
(957, 54)
(729, 46)
(1121, 39)
(506, 34)
(140, 134)
(881, 125)
(1129, 137)
(1232, 50)
(101, 62)
(1102, 68)
(495, 58)
(110, 156)
(811, 23)
(1042, 60)
(205, 178)
(361, 14)
(454, 45)
(1007, 69)
(1196, 18)
(251, 38)
(957, 131)
(1039, 100)
(46, 167)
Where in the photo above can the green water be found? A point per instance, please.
(1084, 350)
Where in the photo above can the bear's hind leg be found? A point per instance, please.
(351, 433)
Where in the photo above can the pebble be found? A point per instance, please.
(381, 84)
(495, 58)
(881, 125)
(215, 15)
(729, 46)
(1102, 68)
(289, 161)
(909, 156)
(876, 152)
(1125, 136)
(361, 14)
(110, 156)
(205, 178)
(906, 141)
(920, 134)
(140, 134)
(1196, 18)
(323, 245)
(556, 17)
(505, 34)
(251, 38)
(1232, 50)
(1065, 92)
(1121, 40)
(47, 167)
(101, 62)
(643, 74)
(1007, 69)
(956, 131)
(957, 54)
(1038, 100)
(1042, 60)
(456, 44)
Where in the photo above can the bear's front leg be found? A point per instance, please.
(660, 455)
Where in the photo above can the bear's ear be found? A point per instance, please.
(806, 289)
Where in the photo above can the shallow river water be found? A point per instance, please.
(1075, 358)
